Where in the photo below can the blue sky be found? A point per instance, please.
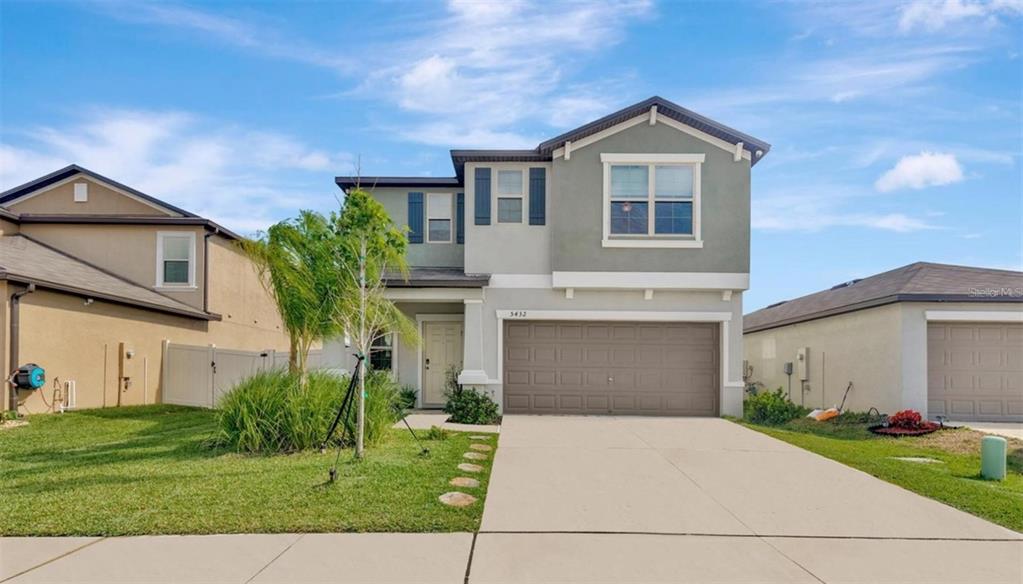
(896, 127)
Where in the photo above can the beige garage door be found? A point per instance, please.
(975, 371)
(611, 368)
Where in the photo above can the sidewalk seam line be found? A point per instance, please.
(51, 560)
(745, 535)
(275, 558)
(472, 550)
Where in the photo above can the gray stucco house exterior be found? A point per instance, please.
(601, 272)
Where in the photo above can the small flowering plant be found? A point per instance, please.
(907, 419)
(905, 423)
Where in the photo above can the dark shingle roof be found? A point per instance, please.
(545, 150)
(25, 260)
(73, 169)
(437, 278)
(369, 182)
(919, 282)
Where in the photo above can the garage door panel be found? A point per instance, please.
(975, 371)
(620, 368)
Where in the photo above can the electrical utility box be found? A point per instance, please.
(803, 363)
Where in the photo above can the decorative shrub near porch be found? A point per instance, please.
(771, 408)
(272, 412)
(467, 406)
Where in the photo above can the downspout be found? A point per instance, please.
(15, 326)
(206, 269)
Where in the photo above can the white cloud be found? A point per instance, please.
(927, 169)
(231, 31)
(240, 177)
(932, 16)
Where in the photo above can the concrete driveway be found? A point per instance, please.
(611, 499)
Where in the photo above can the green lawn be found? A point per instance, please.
(145, 470)
(955, 480)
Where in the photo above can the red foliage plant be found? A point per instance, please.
(907, 419)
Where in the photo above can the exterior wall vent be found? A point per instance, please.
(81, 192)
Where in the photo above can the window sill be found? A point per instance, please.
(654, 243)
(172, 288)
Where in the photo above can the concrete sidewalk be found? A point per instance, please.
(599, 500)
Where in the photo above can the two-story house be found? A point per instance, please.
(96, 275)
(601, 272)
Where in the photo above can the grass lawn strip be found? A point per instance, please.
(954, 481)
(147, 470)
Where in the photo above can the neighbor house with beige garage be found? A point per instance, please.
(600, 272)
(97, 277)
(943, 340)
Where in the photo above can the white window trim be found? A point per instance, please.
(160, 237)
(81, 192)
(450, 217)
(521, 196)
(652, 240)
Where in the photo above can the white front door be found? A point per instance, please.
(442, 349)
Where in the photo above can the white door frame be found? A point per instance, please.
(424, 318)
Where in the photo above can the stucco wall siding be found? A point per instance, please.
(433, 255)
(59, 200)
(864, 347)
(578, 195)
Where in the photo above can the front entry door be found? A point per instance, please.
(442, 349)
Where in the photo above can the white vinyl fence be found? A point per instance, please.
(199, 375)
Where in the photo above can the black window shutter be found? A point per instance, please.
(537, 196)
(415, 217)
(460, 218)
(482, 196)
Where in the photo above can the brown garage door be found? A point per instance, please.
(975, 371)
(611, 368)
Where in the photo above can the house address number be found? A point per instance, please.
(517, 314)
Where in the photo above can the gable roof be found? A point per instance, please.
(545, 150)
(918, 282)
(28, 261)
(664, 108)
(182, 217)
(56, 176)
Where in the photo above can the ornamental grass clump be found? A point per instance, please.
(273, 412)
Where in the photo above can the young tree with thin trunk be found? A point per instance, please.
(369, 246)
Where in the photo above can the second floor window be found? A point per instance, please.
(652, 200)
(175, 254)
(509, 196)
(438, 217)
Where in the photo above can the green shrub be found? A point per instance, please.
(271, 412)
(467, 406)
(437, 433)
(407, 397)
(772, 408)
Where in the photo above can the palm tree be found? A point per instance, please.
(369, 247)
(297, 265)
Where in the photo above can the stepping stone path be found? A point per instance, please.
(474, 456)
(481, 447)
(477, 437)
(469, 467)
(456, 499)
(464, 482)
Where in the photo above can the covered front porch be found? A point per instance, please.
(446, 306)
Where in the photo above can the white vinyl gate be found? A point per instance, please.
(198, 376)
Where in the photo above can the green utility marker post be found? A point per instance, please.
(992, 457)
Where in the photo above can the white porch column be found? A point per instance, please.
(472, 354)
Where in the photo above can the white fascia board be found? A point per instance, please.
(616, 315)
(645, 117)
(433, 294)
(652, 280)
(974, 316)
(520, 281)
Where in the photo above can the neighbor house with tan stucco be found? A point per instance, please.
(97, 278)
(940, 339)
